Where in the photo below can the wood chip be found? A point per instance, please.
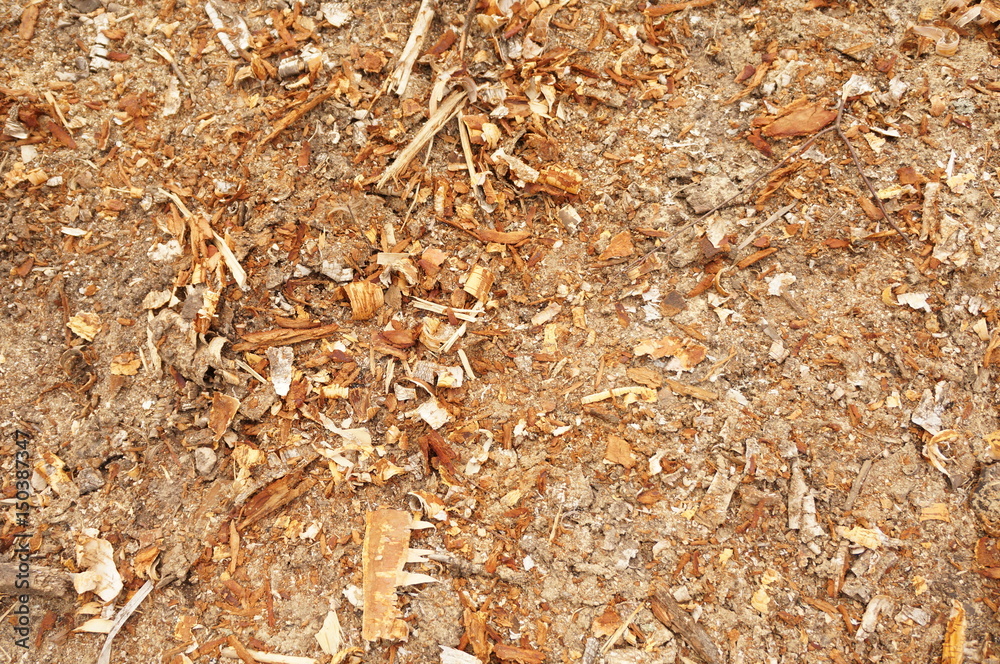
(671, 7)
(690, 390)
(517, 654)
(385, 551)
(29, 19)
(620, 452)
(755, 257)
(221, 414)
(366, 299)
(953, 649)
(686, 355)
(86, 325)
(500, 237)
(644, 376)
(240, 650)
(619, 247)
(804, 121)
(283, 337)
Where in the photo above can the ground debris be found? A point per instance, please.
(275, 272)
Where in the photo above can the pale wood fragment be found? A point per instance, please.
(387, 538)
(647, 394)
(267, 657)
(400, 76)
(690, 390)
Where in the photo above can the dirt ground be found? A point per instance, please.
(250, 310)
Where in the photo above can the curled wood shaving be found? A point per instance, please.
(946, 40)
(221, 31)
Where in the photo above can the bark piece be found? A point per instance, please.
(43, 581)
(221, 414)
(670, 613)
(715, 504)
(801, 122)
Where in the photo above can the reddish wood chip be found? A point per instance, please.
(802, 122)
(443, 43)
(515, 654)
(671, 7)
(490, 235)
(759, 143)
(748, 71)
(619, 247)
(61, 134)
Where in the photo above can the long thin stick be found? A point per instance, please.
(857, 164)
(470, 12)
(104, 657)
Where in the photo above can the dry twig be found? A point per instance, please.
(448, 109)
(470, 13)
